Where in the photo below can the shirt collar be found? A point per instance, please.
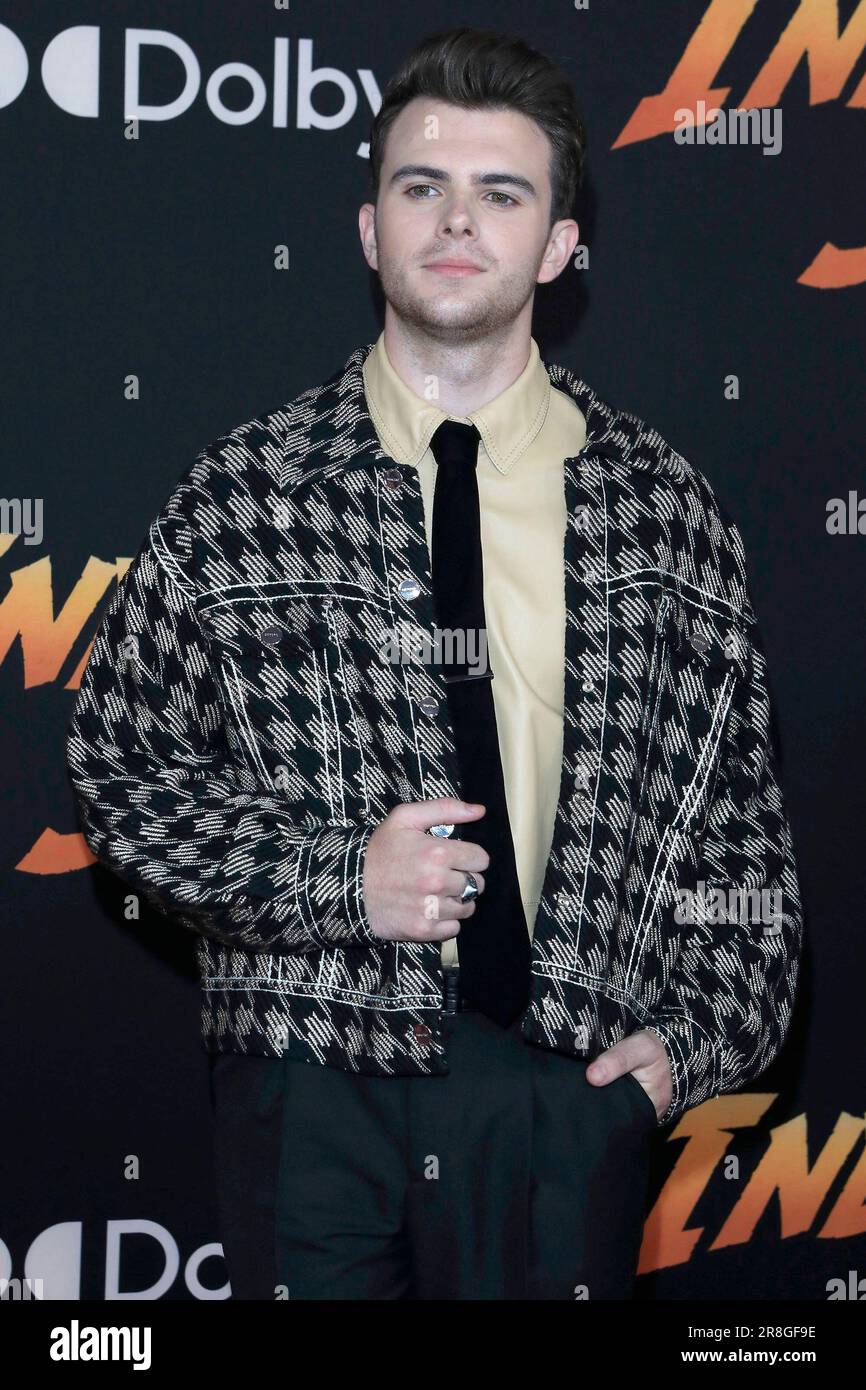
(406, 423)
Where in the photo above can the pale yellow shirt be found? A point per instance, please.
(526, 432)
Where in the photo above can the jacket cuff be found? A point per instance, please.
(693, 1061)
(328, 886)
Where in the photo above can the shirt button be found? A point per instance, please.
(409, 588)
(428, 704)
(271, 635)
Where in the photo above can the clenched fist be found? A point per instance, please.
(412, 880)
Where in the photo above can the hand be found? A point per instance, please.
(412, 880)
(644, 1055)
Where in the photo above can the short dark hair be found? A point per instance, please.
(478, 68)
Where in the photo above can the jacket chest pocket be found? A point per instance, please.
(285, 676)
(700, 660)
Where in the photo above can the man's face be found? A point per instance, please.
(471, 187)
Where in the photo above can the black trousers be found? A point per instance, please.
(510, 1178)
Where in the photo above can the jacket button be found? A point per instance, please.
(271, 635)
(391, 478)
(588, 685)
(409, 588)
(422, 1033)
(428, 705)
(700, 642)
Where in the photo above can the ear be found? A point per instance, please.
(367, 230)
(560, 248)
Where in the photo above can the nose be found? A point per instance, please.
(456, 218)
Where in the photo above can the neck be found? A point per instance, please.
(457, 377)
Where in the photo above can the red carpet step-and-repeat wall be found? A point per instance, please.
(168, 277)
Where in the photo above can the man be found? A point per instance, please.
(435, 703)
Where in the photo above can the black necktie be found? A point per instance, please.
(493, 946)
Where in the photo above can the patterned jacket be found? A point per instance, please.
(237, 736)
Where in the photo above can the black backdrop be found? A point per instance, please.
(154, 257)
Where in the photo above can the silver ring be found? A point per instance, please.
(470, 888)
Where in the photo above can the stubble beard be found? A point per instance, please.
(446, 318)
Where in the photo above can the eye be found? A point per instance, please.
(496, 193)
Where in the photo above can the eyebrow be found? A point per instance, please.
(426, 171)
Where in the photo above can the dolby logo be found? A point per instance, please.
(69, 71)
(52, 1265)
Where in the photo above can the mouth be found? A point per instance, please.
(454, 268)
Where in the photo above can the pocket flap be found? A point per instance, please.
(262, 629)
(706, 638)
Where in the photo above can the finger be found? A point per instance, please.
(440, 860)
(454, 881)
(441, 810)
(441, 908)
(466, 855)
(634, 1051)
(435, 930)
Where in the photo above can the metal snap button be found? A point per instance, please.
(409, 588)
(271, 635)
(588, 685)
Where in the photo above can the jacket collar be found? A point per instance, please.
(340, 434)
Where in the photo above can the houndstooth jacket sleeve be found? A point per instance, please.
(726, 1011)
(158, 797)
